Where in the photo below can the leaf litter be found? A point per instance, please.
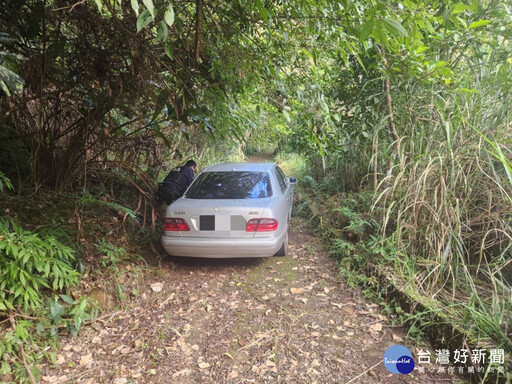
(237, 321)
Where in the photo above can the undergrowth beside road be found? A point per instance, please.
(475, 309)
(60, 256)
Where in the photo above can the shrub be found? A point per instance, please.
(30, 263)
(5, 180)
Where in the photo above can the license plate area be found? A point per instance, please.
(222, 222)
(207, 223)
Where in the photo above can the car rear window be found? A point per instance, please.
(230, 185)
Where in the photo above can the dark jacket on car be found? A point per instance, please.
(180, 178)
(175, 184)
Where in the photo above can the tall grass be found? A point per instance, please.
(448, 206)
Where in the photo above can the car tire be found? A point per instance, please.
(283, 251)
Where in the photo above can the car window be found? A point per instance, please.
(230, 185)
(281, 179)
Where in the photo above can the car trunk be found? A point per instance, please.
(219, 218)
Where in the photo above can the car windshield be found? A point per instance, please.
(230, 185)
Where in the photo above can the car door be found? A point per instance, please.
(286, 189)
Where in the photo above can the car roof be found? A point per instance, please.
(255, 167)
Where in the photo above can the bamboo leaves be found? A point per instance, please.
(395, 27)
(366, 30)
(162, 31)
(263, 12)
(135, 6)
(478, 23)
(169, 51)
(150, 7)
(149, 14)
(10, 81)
(144, 20)
(28, 262)
(169, 15)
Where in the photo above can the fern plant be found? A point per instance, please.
(111, 253)
(4, 180)
(28, 264)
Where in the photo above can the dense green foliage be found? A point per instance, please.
(106, 84)
(29, 264)
(422, 120)
(34, 267)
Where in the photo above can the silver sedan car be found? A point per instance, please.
(232, 210)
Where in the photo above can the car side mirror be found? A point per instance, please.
(292, 180)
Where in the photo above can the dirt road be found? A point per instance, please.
(276, 320)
